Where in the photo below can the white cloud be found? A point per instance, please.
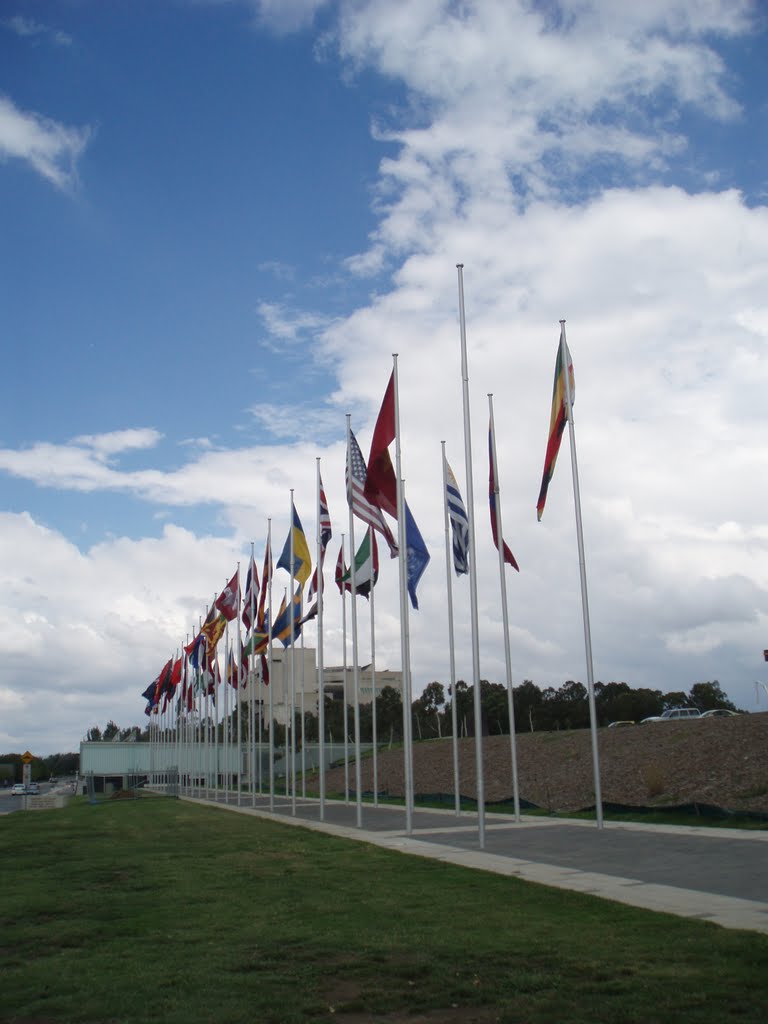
(28, 28)
(52, 149)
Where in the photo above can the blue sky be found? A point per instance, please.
(220, 219)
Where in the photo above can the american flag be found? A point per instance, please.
(369, 513)
(457, 514)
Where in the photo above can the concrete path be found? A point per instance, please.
(712, 874)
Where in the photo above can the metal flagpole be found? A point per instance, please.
(290, 606)
(451, 649)
(405, 643)
(504, 615)
(355, 665)
(320, 666)
(303, 732)
(374, 731)
(472, 569)
(237, 672)
(344, 693)
(565, 363)
(271, 674)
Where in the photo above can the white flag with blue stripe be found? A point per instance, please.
(457, 513)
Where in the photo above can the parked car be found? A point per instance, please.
(616, 725)
(674, 714)
(720, 713)
(34, 789)
(19, 789)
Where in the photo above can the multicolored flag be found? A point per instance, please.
(366, 566)
(492, 489)
(287, 617)
(301, 569)
(251, 597)
(364, 509)
(213, 629)
(228, 601)
(457, 514)
(557, 420)
(326, 533)
(380, 480)
(266, 576)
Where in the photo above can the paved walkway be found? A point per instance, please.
(713, 874)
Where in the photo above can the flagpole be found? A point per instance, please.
(472, 569)
(271, 674)
(303, 732)
(451, 648)
(320, 666)
(344, 677)
(291, 619)
(504, 615)
(251, 688)
(405, 647)
(374, 730)
(355, 665)
(583, 576)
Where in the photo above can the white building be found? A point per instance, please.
(301, 680)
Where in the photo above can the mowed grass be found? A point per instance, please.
(158, 910)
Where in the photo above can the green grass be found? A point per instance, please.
(158, 910)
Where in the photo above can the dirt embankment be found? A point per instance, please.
(718, 761)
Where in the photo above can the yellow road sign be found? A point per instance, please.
(27, 758)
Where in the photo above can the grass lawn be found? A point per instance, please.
(131, 911)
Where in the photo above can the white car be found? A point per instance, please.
(673, 715)
(720, 713)
(19, 789)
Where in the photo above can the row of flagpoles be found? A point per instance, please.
(375, 494)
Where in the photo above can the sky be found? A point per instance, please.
(220, 221)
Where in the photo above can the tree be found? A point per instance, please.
(389, 713)
(111, 730)
(527, 700)
(428, 705)
(93, 734)
(707, 696)
(465, 717)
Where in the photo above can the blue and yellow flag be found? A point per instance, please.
(301, 569)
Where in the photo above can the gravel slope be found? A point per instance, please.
(721, 762)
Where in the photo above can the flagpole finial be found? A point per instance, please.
(459, 266)
(563, 320)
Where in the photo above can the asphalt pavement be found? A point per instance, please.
(712, 874)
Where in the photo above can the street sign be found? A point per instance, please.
(27, 758)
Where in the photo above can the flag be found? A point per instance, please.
(256, 643)
(557, 420)
(340, 572)
(311, 614)
(228, 601)
(266, 576)
(163, 681)
(302, 562)
(281, 627)
(416, 554)
(196, 650)
(213, 630)
(233, 676)
(366, 566)
(370, 514)
(508, 556)
(325, 538)
(457, 514)
(251, 593)
(380, 481)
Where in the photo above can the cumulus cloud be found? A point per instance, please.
(532, 151)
